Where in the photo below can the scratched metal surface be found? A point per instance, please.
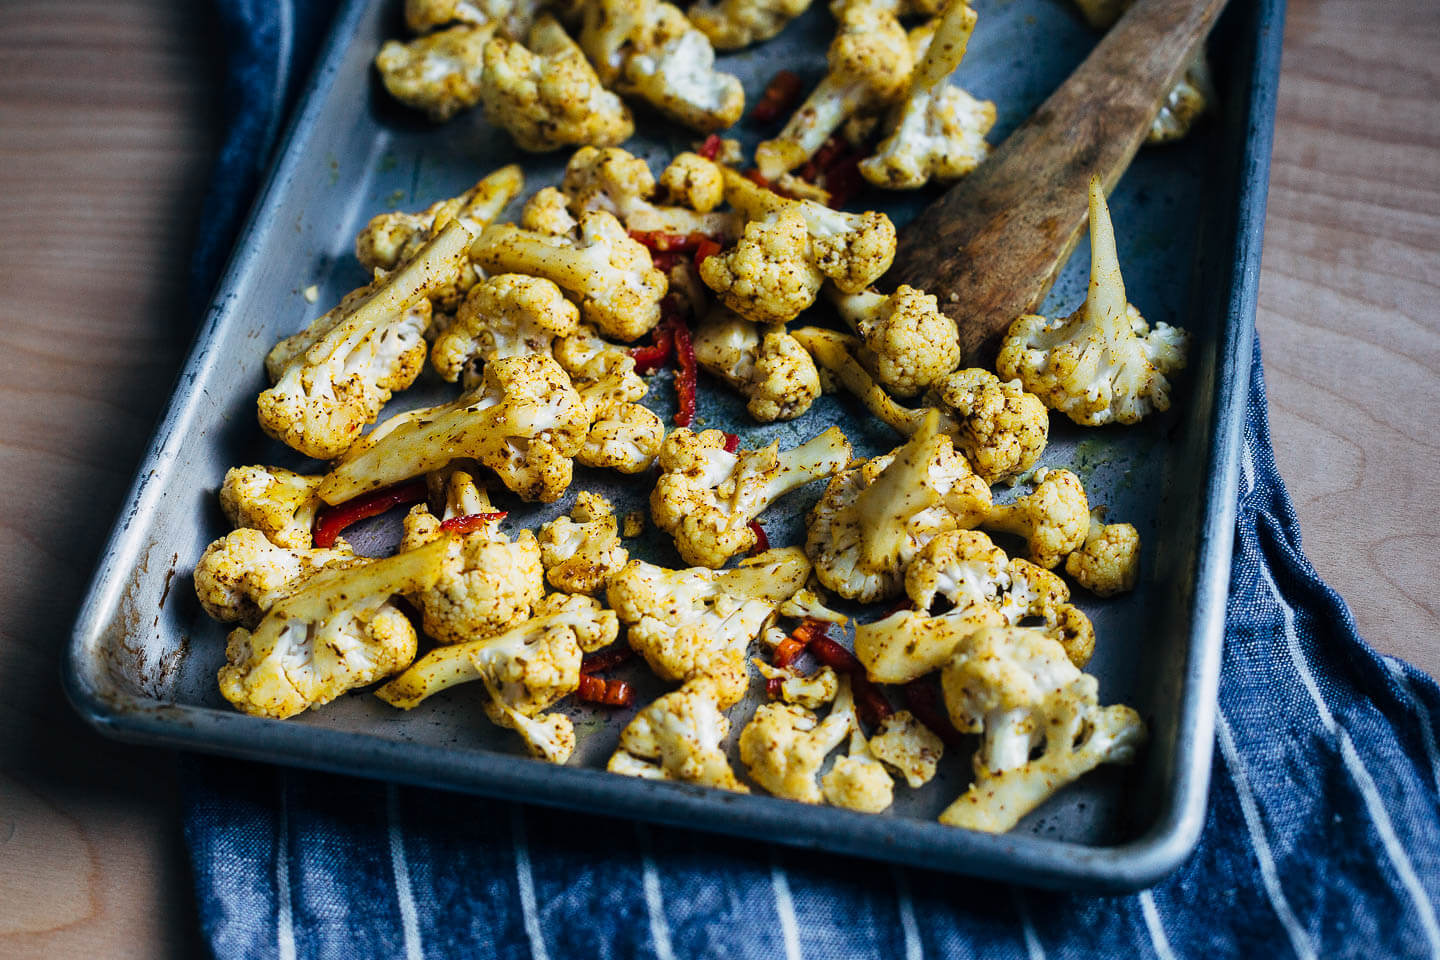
(144, 656)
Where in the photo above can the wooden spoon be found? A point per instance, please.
(991, 247)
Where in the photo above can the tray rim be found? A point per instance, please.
(1132, 865)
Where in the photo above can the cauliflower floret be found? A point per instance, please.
(766, 277)
(784, 746)
(870, 64)
(1184, 104)
(243, 574)
(510, 315)
(547, 211)
(876, 516)
(732, 24)
(693, 181)
(582, 552)
(623, 435)
(910, 344)
(698, 622)
(600, 370)
(904, 743)
(1018, 690)
(525, 421)
(811, 692)
(512, 18)
(1001, 429)
(620, 183)
(1103, 363)
(440, 73)
(1054, 519)
(279, 503)
(856, 781)
(1036, 593)
(338, 632)
(706, 498)
(613, 274)
(490, 582)
(775, 372)
(938, 132)
(680, 736)
(547, 96)
(1109, 561)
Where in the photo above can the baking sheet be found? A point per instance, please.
(143, 655)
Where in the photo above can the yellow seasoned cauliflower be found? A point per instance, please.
(1054, 519)
(784, 746)
(877, 515)
(279, 503)
(909, 343)
(857, 780)
(333, 377)
(938, 131)
(620, 183)
(512, 18)
(1109, 561)
(698, 622)
(582, 552)
(439, 73)
(510, 315)
(905, 744)
(623, 435)
(681, 737)
(1186, 101)
(811, 692)
(243, 574)
(619, 287)
(1001, 429)
(525, 422)
(766, 277)
(1016, 688)
(1104, 363)
(770, 368)
(706, 498)
(547, 95)
(732, 24)
(547, 212)
(339, 631)
(693, 181)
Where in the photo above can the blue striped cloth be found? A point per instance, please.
(1322, 837)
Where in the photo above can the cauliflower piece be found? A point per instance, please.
(547, 96)
(243, 574)
(870, 65)
(490, 582)
(856, 781)
(599, 370)
(877, 515)
(510, 315)
(784, 746)
(440, 73)
(706, 498)
(1184, 104)
(524, 422)
(693, 181)
(766, 277)
(1054, 519)
(1037, 593)
(547, 211)
(681, 736)
(1001, 429)
(1103, 363)
(697, 622)
(905, 744)
(732, 24)
(582, 552)
(279, 503)
(909, 343)
(337, 632)
(613, 274)
(938, 132)
(623, 435)
(333, 377)
(1018, 690)
(773, 371)
(512, 18)
(620, 183)
(811, 692)
(1109, 561)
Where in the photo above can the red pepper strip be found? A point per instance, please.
(830, 151)
(843, 181)
(924, 702)
(781, 93)
(712, 146)
(788, 649)
(658, 353)
(869, 701)
(667, 260)
(707, 249)
(686, 374)
(732, 442)
(658, 241)
(470, 522)
(610, 693)
(332, 520)
(762, 542)
(609, 658)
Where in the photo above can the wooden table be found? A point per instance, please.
(107, 128)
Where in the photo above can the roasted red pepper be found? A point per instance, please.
(609, 693)
(762, 542)
(869, 701)
(686, 374)
(732, 442)
(658, 353)
(781, 94)
(707, 249)
(612, 656)
(712, 146)
(332, 520)
(923, 699)
(658, 241)
(470, 522)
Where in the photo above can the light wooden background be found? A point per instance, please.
(107, 127)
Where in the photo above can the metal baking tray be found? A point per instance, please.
(143, 656)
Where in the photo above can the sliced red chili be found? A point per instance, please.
(732, 442)
(609, 693)
(843, 181)
(787, 650)
(712, 146)
(650, 358)
(762, 542)
(607, 659)
(923, 700)
(659, 241)
(686, 375)
(470, 522)
(707, 249)
(781, 94)
(869, 701)
(332, 520)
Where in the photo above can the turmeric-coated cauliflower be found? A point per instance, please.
(1187, 100)
(1001, 429)
(620, 183)
(770, 368)
(279, 503)
(706, 497)
(784, 746)
(693, 181)
(903, 743)
(1109, 561)
(1054, 519)
(910, 344)
(582, 552)
(811, 692)
(623, 435)
(857, 780)
(440, 73)
(732, 24)
(548, 211)
(1103, 363)
(512, 18)
(766, 277)
(681, 736)
(510, 315)
(243, 574)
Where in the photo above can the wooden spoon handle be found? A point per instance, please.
(991, 247)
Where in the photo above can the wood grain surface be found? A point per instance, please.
(107, 128)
